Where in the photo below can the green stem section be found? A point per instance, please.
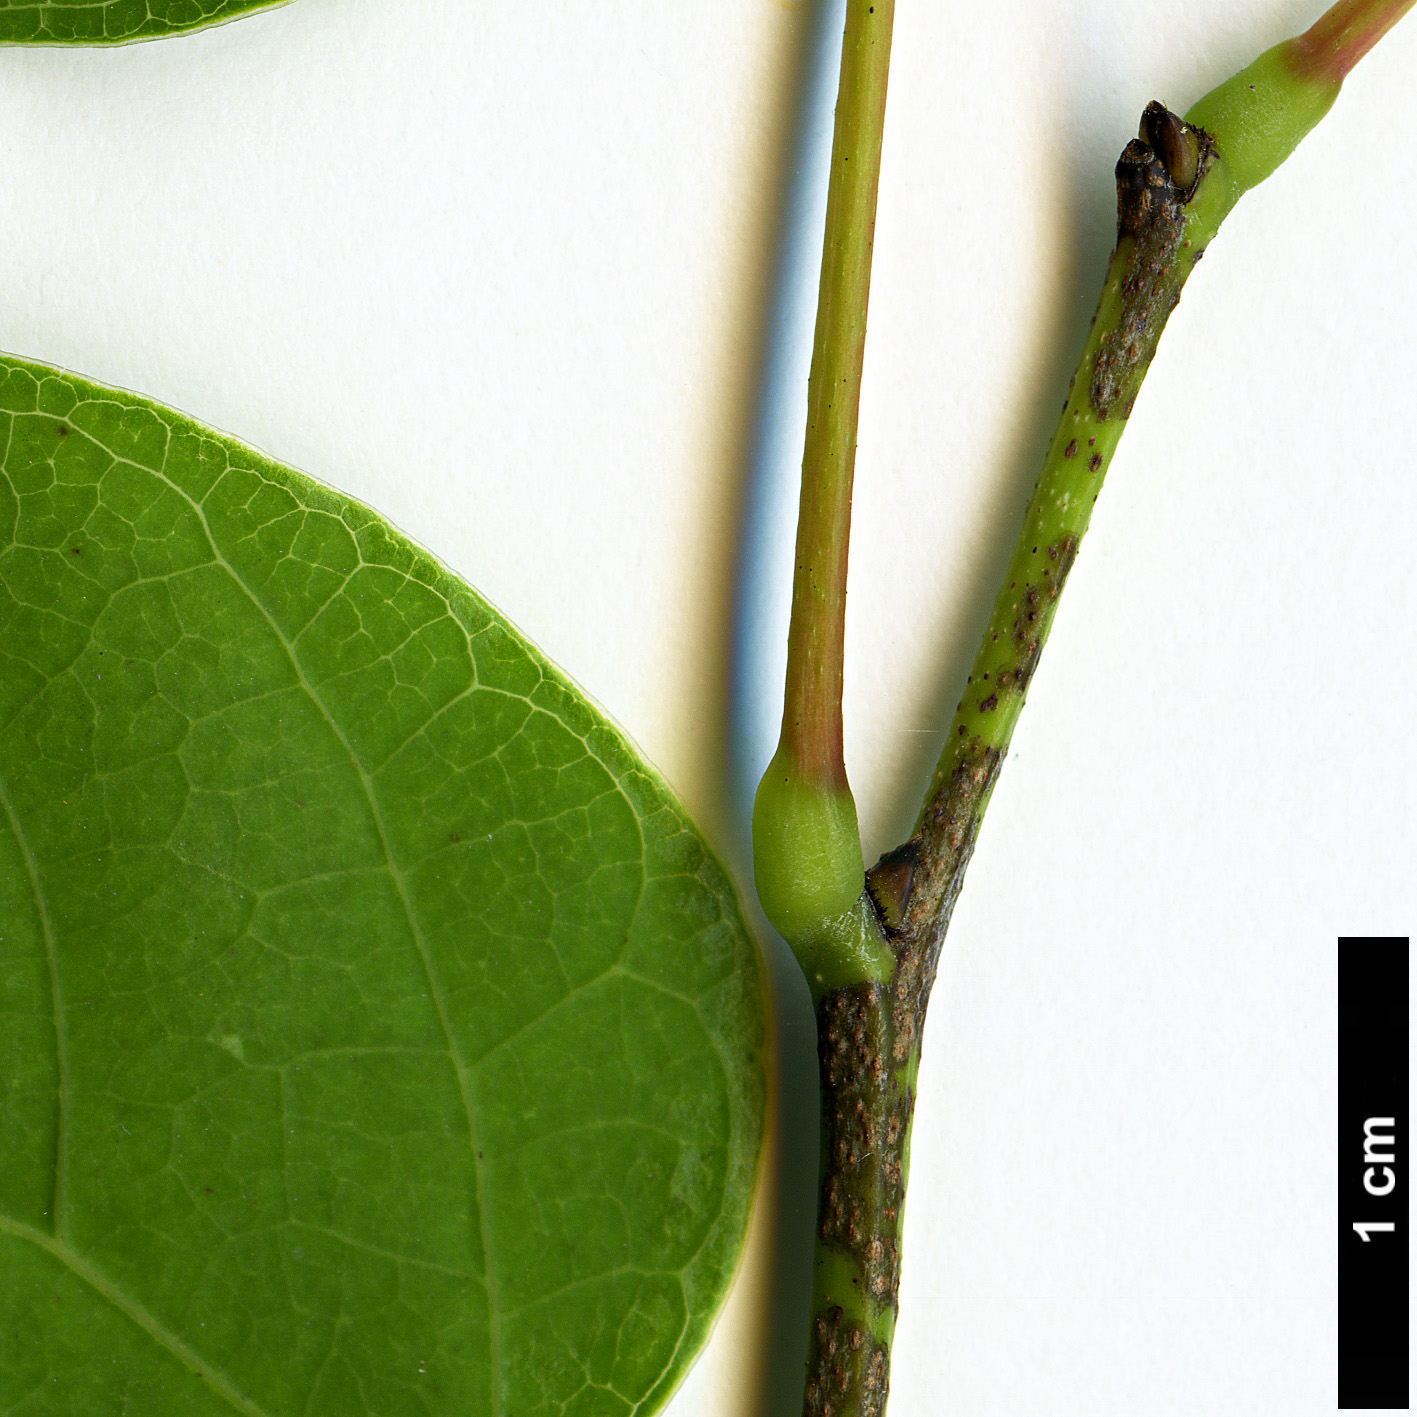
(806, 846)
(872, 965)
(1176, 184)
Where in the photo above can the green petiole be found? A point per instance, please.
(870, 956)
(806, 847)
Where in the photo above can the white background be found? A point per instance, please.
(511, 274)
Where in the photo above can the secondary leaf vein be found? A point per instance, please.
(131, 1309)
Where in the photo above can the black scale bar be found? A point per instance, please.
(1373, 1167)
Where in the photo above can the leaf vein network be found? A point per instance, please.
(415, 927)
(129, 1307)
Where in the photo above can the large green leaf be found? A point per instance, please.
(378, 1035)
(114, 21)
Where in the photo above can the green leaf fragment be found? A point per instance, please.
(379, 1036)
(115, 21)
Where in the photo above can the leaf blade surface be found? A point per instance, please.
(116, 21)
(385, 1035)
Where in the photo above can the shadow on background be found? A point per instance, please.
(768, 459)
(1086, 231)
